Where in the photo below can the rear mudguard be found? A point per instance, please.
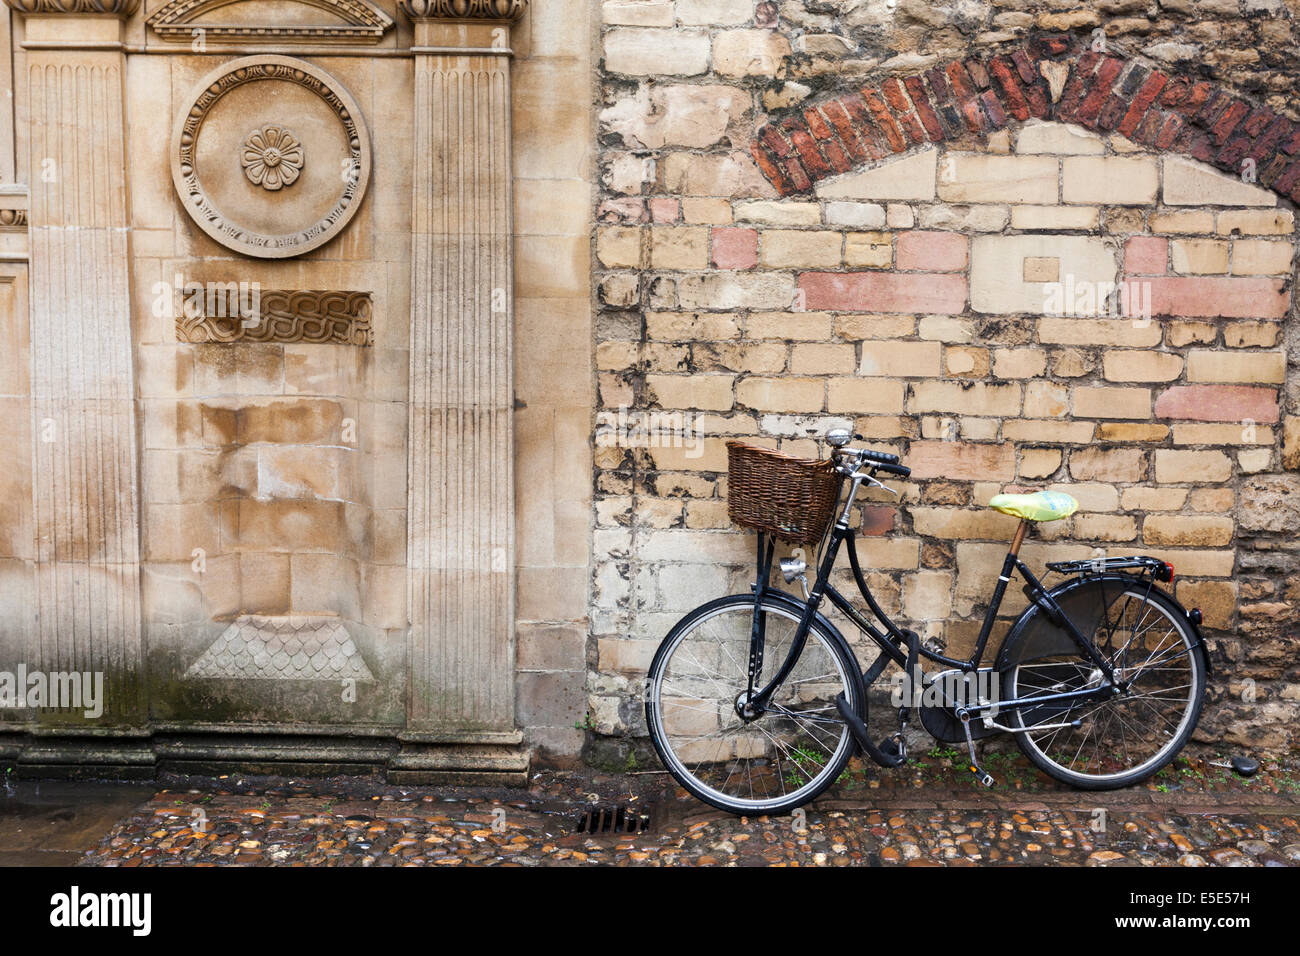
(1034, 634)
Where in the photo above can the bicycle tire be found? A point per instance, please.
(1038, 656)
(670, 747)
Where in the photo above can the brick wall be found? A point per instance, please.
(924, 253)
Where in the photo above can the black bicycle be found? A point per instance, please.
(755, 702)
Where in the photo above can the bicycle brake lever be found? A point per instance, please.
(871, 480)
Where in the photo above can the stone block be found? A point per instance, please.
(980, 178)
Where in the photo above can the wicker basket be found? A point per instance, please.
(790, 498)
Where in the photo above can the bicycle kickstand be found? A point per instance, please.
(982, 775)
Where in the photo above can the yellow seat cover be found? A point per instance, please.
(1039, 506)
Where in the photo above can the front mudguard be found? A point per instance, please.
(797, 605)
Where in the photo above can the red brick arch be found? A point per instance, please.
(974, 97)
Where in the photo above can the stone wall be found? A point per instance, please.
(248, 512)
(858, 214)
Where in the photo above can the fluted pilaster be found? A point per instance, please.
(83, 383)
(461, 479)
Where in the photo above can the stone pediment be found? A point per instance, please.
(279, 22)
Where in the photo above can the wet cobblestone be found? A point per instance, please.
(913, 822)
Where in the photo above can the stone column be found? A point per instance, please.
(460, 499)
(87, 614)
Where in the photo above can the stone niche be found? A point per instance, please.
(274, 454)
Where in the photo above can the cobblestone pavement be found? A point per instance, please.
(1192, 815)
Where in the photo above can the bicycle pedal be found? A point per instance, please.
(1242, 766)
(983, 776)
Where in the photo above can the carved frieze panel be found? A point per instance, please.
(276, 315)
(118, 8)
(313, 22)
(463, 9)
(235, 182)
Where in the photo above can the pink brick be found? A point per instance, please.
(931, 252)
(884, 292)
(878, 520)
(1228, 298)
(961, 461)
(1218, 403)
(1146, 255)
(664, 209)
(735, 248)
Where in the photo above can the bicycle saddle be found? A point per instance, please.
(1039, 506)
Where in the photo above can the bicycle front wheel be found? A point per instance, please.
(1120, 738)
(695, 696)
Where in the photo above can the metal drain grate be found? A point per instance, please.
(613, 820)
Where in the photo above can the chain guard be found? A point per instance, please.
(941, 720)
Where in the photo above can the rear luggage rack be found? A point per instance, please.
(1160, 570)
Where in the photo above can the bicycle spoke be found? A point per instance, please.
(796, 718)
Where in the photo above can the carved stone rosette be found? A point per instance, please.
(271, 157)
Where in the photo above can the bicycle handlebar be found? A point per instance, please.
(880, 461)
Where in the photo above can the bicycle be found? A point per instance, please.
(1101, 677)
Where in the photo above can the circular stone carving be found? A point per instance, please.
(230, 174)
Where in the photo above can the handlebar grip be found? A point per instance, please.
(881, 457)
(901, 470)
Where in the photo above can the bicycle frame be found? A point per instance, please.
(893, 639)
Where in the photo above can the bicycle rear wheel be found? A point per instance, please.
(1122, 739)
(695, 692)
